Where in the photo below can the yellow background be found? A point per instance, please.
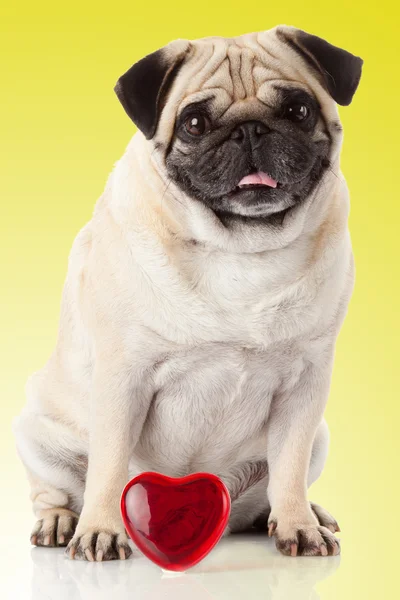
(62, 129)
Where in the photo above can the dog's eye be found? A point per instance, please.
(196, 124)
(296, 112)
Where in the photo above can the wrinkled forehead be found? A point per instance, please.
(240, 69)
(242, 75)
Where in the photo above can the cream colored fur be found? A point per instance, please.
(185, 346)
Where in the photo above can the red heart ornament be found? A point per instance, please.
(175, 522)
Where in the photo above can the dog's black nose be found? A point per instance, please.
(249, 131)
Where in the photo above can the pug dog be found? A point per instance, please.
(204, 298)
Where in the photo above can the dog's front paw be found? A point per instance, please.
(98, 545)
(303, 538)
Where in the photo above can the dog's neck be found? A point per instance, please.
(142, 196)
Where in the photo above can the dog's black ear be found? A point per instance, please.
(339, 70)
(142, 90)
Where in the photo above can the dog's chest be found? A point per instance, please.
(238, 281)
(233, 298)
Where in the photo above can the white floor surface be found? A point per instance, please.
(241, 566)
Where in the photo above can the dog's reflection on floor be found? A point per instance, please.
(241, 566)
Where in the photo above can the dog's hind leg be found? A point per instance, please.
(56, 522)
(247, 483)
(56, 464)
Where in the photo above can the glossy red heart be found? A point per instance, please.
(175, 522)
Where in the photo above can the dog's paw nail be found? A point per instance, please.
(336, 550)
(271, 528)
(293, 549)
(61, 539)
(99, 556)
(89, 555)
(46, 541)
(324, 550)
(122, 554)
(34, 540)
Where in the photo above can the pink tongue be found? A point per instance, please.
(260, 178)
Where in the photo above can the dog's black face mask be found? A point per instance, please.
(256, 159)
(255, 167)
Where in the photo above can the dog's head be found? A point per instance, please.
(247, 125)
